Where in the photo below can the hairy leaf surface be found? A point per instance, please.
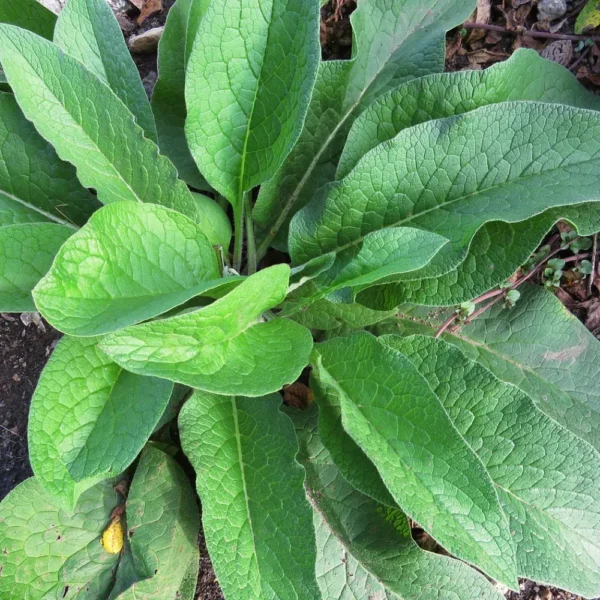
(256, 518)
(249, 81)
(129, 263)
(224, 348)
(89, 32)
(89, 419)
(88, 125)
(390, 412)
(547, 478)
(365, 549)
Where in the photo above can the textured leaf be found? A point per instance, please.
(28, 14)
(35, 185)
(163, 524)
(216, 225)
(393, 42)
(224, 348)
(26, 253)
(390, 412)
(168, 98)
(541, 348)
(257, 521)
(364, 549)
(524, 76)
(547, 479)
(546, 156)
(130, 262)
(42, 543)
(89, 419)
(249, 81)
(89, 32)
(88, 125)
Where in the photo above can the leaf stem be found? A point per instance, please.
(238, 229)
(251, 243)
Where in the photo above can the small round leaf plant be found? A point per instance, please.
(268, 217)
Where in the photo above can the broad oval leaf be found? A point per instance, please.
(257, 521)
(88, 125)
(547, 479)
(225, 348)
(249, 80)
(434, 476)
(26, 253)
(89, 419)
(89, 32)
(129, 263)
(365, 548)
(393, 42)
(35, 185)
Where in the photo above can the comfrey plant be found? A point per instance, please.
(392, 188)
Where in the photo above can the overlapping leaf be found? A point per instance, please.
(547, 479)
(225, 348)
(249, 81)
(88, 125)
(393, 42)
(28, 14)
(364, 549)
(390, 412)
(257, 521)
(168, 97)
(89, 419)
(131, 262)
(89, 32)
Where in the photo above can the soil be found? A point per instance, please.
(25, 346)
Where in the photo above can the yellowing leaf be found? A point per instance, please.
(589, 17)
(112, 538)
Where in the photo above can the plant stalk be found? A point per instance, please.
(238, 230)
(250, 241)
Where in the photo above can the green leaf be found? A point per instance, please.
(541, 348)
(249, 81)
(589, 17)
(88, 125)
(168, 98)
(42, 543)
(35, 185)
(89, 32)
(546, 157)
(257, 521)
(390, 412)
(28, 14)
(129, 263)
(364, 549)
(26, 253)
(547, 479)
(393, 42)
(224, 348)
(89, 419)
(162, 527)
(524, 76)
(216, 225)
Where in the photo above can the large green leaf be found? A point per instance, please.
(547, 478)
(524, 76)
(249, 80)
(225, 348)
(257, 521)
(35, 185)
(89, 419)
(88, 124)
(390, 412)
(364, 549)
(393, 42)
(162, 527)
(49, 553)
(129, 263)
(89, 32)
(543, 156)
(28, 14)
(168, 98)
(541, 348)
(26, 253)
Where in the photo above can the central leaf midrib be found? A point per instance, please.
(39, 210)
